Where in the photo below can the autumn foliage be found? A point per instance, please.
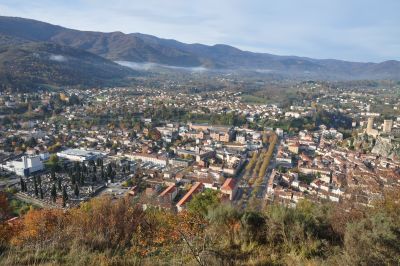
(107, 231)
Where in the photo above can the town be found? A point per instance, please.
(161, 148)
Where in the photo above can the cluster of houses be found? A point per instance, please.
(313, 165)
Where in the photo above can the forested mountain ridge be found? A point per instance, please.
(25, 64)
(142, 48)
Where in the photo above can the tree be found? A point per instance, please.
(31, 142)
(202, 202)
(35, 185)
(99, 162)
(53, 174)
(53, 160)
(73, 179)
(112, 177)
(374, 240)
(22, 184)
(76, 190)
(225, 218)
(84, 168)
(154, 134)
(5, 210)
(109, 170)
(59, 184)
(64, 196)
(103, 176)
(54, 193)
(252, 223)
(81, 179)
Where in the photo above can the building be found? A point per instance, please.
(229, 187)
(26, 166)
(178, 162)
(370, 124)
(387, 126)
(155, 159)
(168, 195)
(279, 132)
(223, 134)
(79, 155)
(241, 138)
(196, 188)
(370, 128)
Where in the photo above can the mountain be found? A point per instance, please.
(25, 65)
(142, 48)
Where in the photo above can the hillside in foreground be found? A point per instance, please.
(116, 232)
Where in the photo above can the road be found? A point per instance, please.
(244, 192)
(272, 165)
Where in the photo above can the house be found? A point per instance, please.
(229, 187)
(168, 195)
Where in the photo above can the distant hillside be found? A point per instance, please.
(141, 48)
(28, 64)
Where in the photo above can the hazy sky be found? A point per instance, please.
(358, 30)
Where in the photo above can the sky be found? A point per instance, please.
(355, 30)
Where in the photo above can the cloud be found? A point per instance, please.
(353, 30)
(151, 66)
(58, 58)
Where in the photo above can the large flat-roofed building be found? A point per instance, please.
(25, 166)
(155, 159)
(178, 162)
(79, 155)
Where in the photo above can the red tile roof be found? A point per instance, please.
(229, 184)
(169, 189)
(196, 187)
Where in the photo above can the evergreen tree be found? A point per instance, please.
(35, 186)
(22, 184)
(64, 196)
(73, 179)
(54, 193)
(109, 170)
(41, 192)
(82, 179)
(103, 176)
(113, 174)
(53, 174)
(76, 190)
(84, 168)
(59, 183)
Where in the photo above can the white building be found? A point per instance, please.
(79, 155)
(159, 160)
(24, 167)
